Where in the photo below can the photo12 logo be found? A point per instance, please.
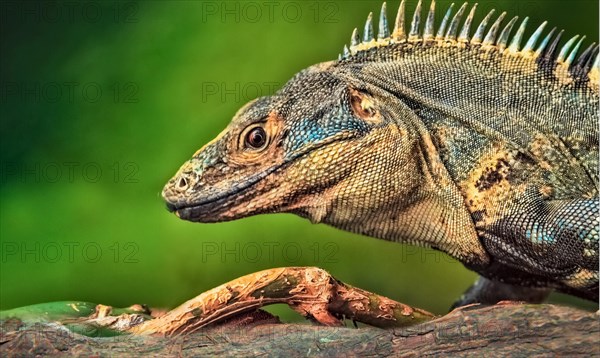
(69, 12)
(236, 92)
(270, 11)
(70, 252)
(69, 172)
(253, 252)
(68, 92)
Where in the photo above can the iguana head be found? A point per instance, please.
(321, 142)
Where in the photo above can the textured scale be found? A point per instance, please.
(490, 38)
(534, 37)
(453, 27)
(414, 24)
(516, 40)
(504, 35)
(428, 32)
(484, 147)
(464, 33)
(384, 30)
(478, 36)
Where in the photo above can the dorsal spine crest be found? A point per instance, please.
(548, 52)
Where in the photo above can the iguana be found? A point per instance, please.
(461, 139)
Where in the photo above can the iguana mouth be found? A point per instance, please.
(194, 211)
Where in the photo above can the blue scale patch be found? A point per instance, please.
(538, 236)
(309, 130)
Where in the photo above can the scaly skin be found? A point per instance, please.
(485, 153)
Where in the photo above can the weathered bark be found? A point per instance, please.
(500, 330)
(227, 320)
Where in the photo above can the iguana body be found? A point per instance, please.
(477, 146)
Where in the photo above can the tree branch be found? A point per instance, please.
(226, 320)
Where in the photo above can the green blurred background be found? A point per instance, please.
(101, 102)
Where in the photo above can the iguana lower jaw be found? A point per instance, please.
(221, 207)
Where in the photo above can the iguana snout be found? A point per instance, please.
(223, 178)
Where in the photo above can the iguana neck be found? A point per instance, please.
(494, 98)
(410, 201)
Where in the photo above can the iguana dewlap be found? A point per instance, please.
(469, 139)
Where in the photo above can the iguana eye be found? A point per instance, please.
(256, 138)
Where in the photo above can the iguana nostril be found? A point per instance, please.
(182, 183)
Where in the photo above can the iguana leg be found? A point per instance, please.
(549, 244)
(486, 291)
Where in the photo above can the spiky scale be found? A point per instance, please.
(384, 30)
(399, 33)
(573, 53)
(464, 33)
(478, 36)
(442, 30)
(587, 64)
(562, 54)
(594, 55)
(594, 70)
(416, 21)
(584, 63)
(515, 44)
(530, 44)
(550, 52)
(584, 59)
(346, 52)
(368, 34)
(453, 27)
(597, 58)
(354, 39)
(544, 43)
(490, 38)
(429, 23)
(504, 35)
